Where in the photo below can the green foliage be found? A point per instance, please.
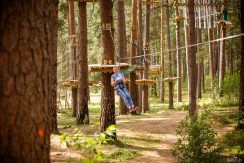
(231, 87)
(122, 154)
(234, 141)
(197, 141)
(89, 146)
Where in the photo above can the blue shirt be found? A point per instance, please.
(118, 78)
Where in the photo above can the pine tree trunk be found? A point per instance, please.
(178, 55)
(73, 70)
(170, 61)
(162, 54)
(133, 86)
(140, 52)
(122, 50)
(222, 61)
(241, 108)
(82, 114)
(199, 66)
(107, 117)
(211, 50)
(145, 104)
(25, 48)
(191, 60)
(53, 70)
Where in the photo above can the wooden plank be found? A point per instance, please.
(170, 79)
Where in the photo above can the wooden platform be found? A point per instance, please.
(74, 83)
(145, 82)
(153, 69)
(106, 68)
(170, 79)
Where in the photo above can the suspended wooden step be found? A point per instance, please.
(154, 69)
(170, 79)
(145, 82)
(151, 2)
(106, 68)
(74, 84)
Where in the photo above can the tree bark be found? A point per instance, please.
(53, 70)
(178, 55)
(133, 86)
(145, 104)
(162, 54)
(222, 61)
(25, 48)
(191, 60)
(140, 51)
(211, 50)
(170, 61)
(72, 39)
(241, 108)
(82, 114)
(107, 117)
(122, 50)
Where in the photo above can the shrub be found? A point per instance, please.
(89, 146)
(197, 142)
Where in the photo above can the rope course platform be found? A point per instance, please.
(153, 69)
(105, 68)
(74, 83)
(170, 79)
(145, 82)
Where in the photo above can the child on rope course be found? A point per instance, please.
(118, 82)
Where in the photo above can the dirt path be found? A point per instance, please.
(146, 129)
(153, 128)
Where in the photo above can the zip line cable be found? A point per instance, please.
(189, 46)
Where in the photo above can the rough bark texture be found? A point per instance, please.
(25, 48)
(199, 66)
(107, 117)
(178, 55)
(211, 50)
(192, 83)
(140, 52)
(82, 114)
(53, 70)
(122, 46)
(72, 39)
(145, 104)
(222, 60)
(133, 86)
(170, 61)
(162, 54)
(241, 108)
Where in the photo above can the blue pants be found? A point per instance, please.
(123, 92)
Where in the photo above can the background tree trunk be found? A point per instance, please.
(73, 70)
(241, 108)
(140, 51)
(133, 86)
(191, 60)
(178, 55)
(82, 114)
(222, 61)
(162, 54)
(145, 104)
(170, 61)
(53, 70)
(211, 50)
(25, 48)
(122, 50)
(107, 117)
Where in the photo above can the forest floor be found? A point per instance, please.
(142, 138)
